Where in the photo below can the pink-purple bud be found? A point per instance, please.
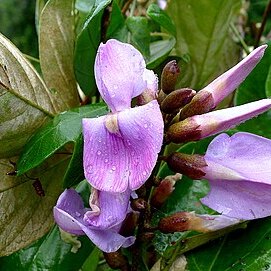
(177, 99)
(169, 76)
(191, 165)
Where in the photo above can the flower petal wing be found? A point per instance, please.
(243, 156)
(242, 200)
(119, 70)
(114, 162)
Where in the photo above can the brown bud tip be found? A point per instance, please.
(139, 204)
(183, 131)
(174, 223)
(164, 190)
(201, 103)
(192, 165)
(177, 99)
(169, 76)
(129, 224)
(116, 260)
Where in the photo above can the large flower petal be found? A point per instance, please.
(113, 210)
(241, 199)
(119, 70)
(114, 162)
(243, 156)
(239, 173)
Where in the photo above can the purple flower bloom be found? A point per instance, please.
(120, 149)
(101, 223)
(239, 172)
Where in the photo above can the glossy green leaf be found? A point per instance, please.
(84, 5)
(25, 102)
(92, 261)
(140, 34)
(161, 17)
(56, 50)
(64, 128)
(117, 28)
(49, 253)
(248, 250)
(25, 215)
(159, 51)
(268, 84)
(203, 34)
(86, 48)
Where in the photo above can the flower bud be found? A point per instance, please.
(184, 131)
(164, 190)
(190, 165)
(189, 221)
(116, 260)
(201, 103)
(129, 224)
(169, 76)
(177, 99)
(139, 204)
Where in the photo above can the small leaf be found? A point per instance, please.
(86, 48)
(140, 34)
(159, 51)
(161, 17)
(56, 48)
(26, 216)
(248, 250)
(203, 34)
(64, 128)
(49, 253)
(25, 102)
(117, 28)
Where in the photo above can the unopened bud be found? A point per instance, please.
(191, 165)
(189, 221)
(129, 224)
(184, 131)
(177, 99)
(164, 190)
(169, 76)
(139, 204)
(161, 96)
(116, 260)
(201, 103)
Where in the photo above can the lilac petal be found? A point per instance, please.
(220, 120)
(243, 156)
(68, 210)
(222, 86)
(113, 210)
(108, 240)
(119, 70)
(239, 199)
(114, 162)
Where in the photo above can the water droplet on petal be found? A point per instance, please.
(133, 153)
(106, 160)
(144, 173)
(113, 168)
(99, 140)
(99, 152)
(77, 214)
(129, 142)
(111, 171)
(145, 125)
(115, 87)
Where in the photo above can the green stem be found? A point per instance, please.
(238, 35)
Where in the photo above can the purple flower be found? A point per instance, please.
(211, 95)
(239, 173)
(120, 149)
(201, 126)
(101, 223)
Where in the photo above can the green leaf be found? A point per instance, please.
(49, 253)
(84, 6)
(159, 51)
(268, 83)
(203, 34)
(56, 49)
(140, 34)
(25, 102)
(26, 216)
(117, 28)
(64, 128)
(248, 250)
(92, 261)
(160, 17)
(86, 48)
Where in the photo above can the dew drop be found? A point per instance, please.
(144, 173)
(99, 140)
(129, 142)
(111, 171)
(99, 152)
(133, 153)
(77, 214)
(115, 87)
(106, 160)
(145, 125)
(113, 168)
